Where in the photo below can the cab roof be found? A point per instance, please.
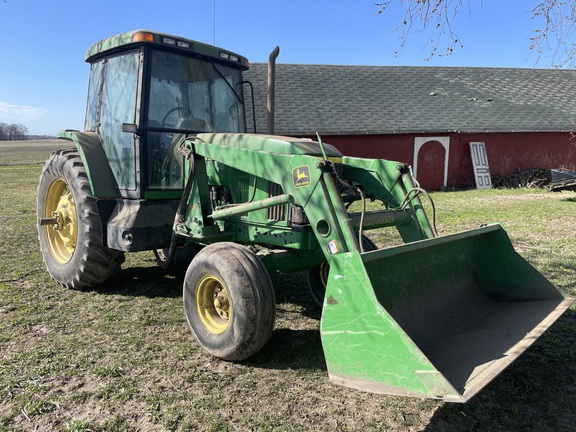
(135, 38)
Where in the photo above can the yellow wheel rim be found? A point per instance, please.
(59, 205)
(214, 305)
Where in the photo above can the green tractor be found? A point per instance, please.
(165, 164)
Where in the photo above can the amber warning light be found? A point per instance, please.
(143, 37)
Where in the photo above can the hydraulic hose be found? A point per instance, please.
(180, 214)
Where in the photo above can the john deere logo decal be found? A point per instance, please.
(301, 176)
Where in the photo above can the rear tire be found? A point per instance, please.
(72, 247)
(317, 278)
(229, 301)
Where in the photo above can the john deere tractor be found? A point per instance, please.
(165, 164)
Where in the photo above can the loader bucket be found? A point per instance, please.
(436, 318)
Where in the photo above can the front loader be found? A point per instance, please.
(165, 164)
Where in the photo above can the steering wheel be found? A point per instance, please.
(170, 111)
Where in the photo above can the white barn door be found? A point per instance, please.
(480, 164)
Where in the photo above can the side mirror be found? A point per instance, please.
(130, 128)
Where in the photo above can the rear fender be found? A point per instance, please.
(95, 162)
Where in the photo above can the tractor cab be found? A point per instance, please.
(147, 92)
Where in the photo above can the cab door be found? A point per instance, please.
(118, 107)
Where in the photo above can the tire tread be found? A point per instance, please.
(91, 263)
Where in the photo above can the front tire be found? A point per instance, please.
(229, 301)
(69, 226)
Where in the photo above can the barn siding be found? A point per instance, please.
(507, 152)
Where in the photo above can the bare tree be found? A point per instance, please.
(554, 36)
(22, 131)
(433, 17)
(552, 41)
(13, 132)
(3, 132)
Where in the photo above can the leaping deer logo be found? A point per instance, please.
(301, 176)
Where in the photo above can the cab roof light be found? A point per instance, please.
(143, 37)
(228, 56)
(182, 44)
(169, 41)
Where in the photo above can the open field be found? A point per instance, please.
(121, 358)
(29, 152)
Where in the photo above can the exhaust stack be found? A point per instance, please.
(271, 90)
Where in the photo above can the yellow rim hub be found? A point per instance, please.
(60, 206)
(214, 305)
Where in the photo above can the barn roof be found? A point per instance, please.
(352, 100)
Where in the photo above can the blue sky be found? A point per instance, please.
(43, 76)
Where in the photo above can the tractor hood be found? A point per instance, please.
(270, 143)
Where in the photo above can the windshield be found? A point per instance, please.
(194, 95)
(187, 95)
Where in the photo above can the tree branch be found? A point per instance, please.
(433, 17)
(555, 33)
(553, 39)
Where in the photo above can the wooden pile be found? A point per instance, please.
(526, 178)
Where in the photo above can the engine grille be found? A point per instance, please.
(276, 213)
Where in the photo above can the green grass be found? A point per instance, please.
(121, 358)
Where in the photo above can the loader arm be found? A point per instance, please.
(311, 182)
(392, 183)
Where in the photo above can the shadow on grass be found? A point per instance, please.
(156, 282)
(537, 392)
(295, 349)
(151, 282)
(291, 349)
(287, 348)
(293, 289)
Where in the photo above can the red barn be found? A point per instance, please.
(429, 117)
